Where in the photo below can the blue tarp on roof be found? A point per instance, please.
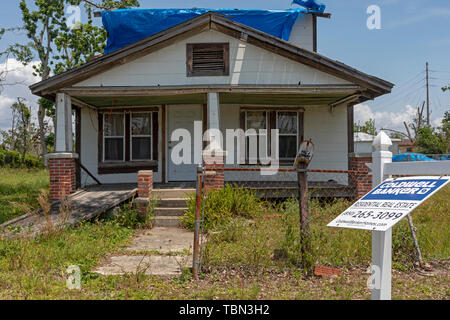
(411, 157)
(312, 5)
(127, 26)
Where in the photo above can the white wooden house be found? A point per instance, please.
(129, 102)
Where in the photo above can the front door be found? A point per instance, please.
(182, 116)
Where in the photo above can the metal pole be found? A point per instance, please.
(416, 243)
(305, 236)
(428, 97)
(198, 208)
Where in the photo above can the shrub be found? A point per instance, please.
(13, 159)
(222, 205)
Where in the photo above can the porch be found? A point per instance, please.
(303, 107)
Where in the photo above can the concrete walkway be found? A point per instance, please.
(161, 251)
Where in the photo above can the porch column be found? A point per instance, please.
(213, 155)
(64, 132)
(62, 163)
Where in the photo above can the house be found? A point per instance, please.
(222, 69)
(406, 146)
(364, 141)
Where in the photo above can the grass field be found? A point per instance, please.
(239, 258)
(19, 189)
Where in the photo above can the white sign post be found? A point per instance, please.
(383, 207)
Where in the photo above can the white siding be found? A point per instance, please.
(302, 34)
(328, 131)
(249, 65)
(89, 153)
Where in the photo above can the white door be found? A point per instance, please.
(182, 116)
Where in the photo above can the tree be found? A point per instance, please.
(81, 43)
(446, 88)
(21, 136)
(435, 140)
(58, 45)
(22, 53)
(41, 26)
(368, 127)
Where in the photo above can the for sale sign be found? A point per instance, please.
(388, 203)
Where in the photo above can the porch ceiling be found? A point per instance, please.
(225, 98)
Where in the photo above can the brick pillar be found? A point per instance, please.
(362, 182)
(145, 187)
(62, 174)
(214, 162)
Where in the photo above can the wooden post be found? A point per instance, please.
(198, 208)
(305, 236)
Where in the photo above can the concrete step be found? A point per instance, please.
(172, 203)
(172, 212)
(171, 193)
(166, 221)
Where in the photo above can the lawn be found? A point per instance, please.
(19, 189)
(253, 255)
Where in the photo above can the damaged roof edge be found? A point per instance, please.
(227, 26)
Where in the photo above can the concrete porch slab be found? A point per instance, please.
(165, 266)
(163, 240)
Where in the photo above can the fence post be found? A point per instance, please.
(381, 240)
(198, 206)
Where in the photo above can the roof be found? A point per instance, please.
(126, 26)
(365, 137)
(372, 86)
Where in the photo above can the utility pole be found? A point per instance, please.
(428, 97)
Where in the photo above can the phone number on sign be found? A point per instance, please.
(381, 215)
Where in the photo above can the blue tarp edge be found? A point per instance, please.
(126, 26)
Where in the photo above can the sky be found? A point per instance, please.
(412, 33)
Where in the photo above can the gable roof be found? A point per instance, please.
(373, 86)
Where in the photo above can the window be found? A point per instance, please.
(114, 137)
(208, 59)
(288, 132)
(141, 136)
(256, 120)
(129, 140)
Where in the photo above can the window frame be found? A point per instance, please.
(141, 136)
(288, 134)
(123, 137)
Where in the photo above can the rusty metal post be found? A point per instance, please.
(198, 208)
(305, 236)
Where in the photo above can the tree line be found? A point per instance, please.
(57, 47)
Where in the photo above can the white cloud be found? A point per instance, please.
(15, 84)
(384, 119)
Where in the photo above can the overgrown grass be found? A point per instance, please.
(221, 206)
(19, 189)
(271, 241)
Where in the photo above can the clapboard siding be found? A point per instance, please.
(249, 65)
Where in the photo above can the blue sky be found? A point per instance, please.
(412, 32)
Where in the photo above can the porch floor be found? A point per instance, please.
(81, 205)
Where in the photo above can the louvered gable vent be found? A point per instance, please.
(208, 59)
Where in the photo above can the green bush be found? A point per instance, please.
(222, 205)
(13, 159)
